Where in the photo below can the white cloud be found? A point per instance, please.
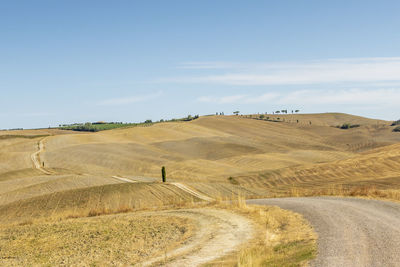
(245, 99)
(311, 72)
(371, 97)
(261, 99)
(35, 114)
(231, 99)
(128, 100)
(27, 114)
(222, 100)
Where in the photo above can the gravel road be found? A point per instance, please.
(351, 231)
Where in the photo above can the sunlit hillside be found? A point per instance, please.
(211, 148)
(216, 155)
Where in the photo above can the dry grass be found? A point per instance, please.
(369, 191)
(10, 136)
(98, 241)
(107, 199)
(285, 240)
(34, 185)
(376, 169)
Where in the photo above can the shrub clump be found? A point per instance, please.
(87, 127)
(190, 118)
(233, 180)
(348, 126)
(395, 123)
(397, 129)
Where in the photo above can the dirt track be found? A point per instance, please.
(351, 232)
(192, 192)
(218, 233)
(35, 157)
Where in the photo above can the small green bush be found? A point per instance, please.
(233, 180)
(345, 126)
(397, 129)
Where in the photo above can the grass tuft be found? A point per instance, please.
(368, 191)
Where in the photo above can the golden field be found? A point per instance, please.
(52, 181)
(120, 239)
(218, 156)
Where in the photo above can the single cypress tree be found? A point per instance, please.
(164, 175)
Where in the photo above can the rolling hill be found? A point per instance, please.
(218, 156)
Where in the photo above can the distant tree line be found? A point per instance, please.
(284, 111)
(101, 126)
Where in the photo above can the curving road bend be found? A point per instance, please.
(36, 158)
(218, 233)
(351, 231)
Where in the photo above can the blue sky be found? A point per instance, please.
(78, 61)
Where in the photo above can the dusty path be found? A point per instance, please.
(217, 233)
(351, 232)
(179, 185)
(192, 192)
(127, 180)
(35, 157)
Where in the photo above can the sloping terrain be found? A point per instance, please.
(216, 155)
(93, 200)
(211, 147)
(325, 119)
(378, 167)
